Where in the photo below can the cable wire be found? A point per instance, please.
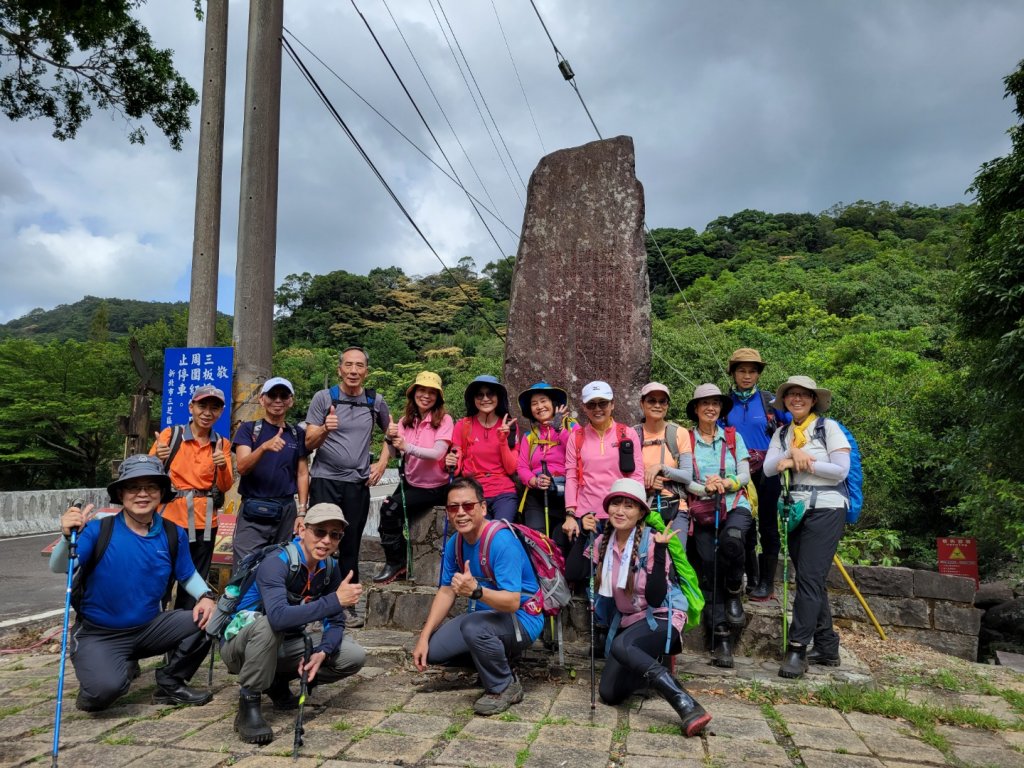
(675, 370)
(296, 59)
(522, 88)
(398, 130)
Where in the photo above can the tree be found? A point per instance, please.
(66, 54)
(499, 273)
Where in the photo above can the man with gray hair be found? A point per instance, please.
(339, 426)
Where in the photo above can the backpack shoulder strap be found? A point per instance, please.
(672, 439)
(257, 427)
(486, 539)
(171, 531)
(335, 393)
(579, 437)
(730, 441)
(371, 399)
(693, 441)
(177, 435)
(819, 430)
(102, 542)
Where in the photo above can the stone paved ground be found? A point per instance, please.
(392, 715)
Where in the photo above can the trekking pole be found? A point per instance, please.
(787, 504)
(405, 519)
(72, 556)
(860, 597)
(714, 565)
(590, 594)
(209, 679)
(547, 532)
(307, 642)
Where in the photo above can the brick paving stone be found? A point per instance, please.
(22, 724)
(107, 755)
(902, 747)
(442, 701)
(646, 761)
(220, 736)
(275, 761)
(491, 729)
(582, 714)
(412, 724)
(479, 753)
(373, 695)
(996, 706)
(1014, 739)
(563, 756)
(320, 740)
(726, 751)
(593, 739)
(874, 724)
(827, 739)
(971, 737)
(663, 745)
(347, 721)
(653, 717)
(178, 758)
(15, 752)
(814, 758)
(816, 716)
(742, 728)
(221, 706)
(405, 748)
(350, 764)
(83, 730)
(727, 706)
(989, 757)
(536, 703)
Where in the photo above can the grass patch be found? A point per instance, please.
(506, 717)
(522, 756)
(341, 725)
(550, 721)
(125, 740)
(771, 714)
(7, 711)
(759, 693)
(671, 730)
(394, 708)
(620, 733)
(362, 734)
(452, 731)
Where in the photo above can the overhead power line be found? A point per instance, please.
(304, 70)
(512, 59)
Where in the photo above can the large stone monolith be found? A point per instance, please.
(580, 307)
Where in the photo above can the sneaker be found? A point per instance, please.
(352, 618)
(495, 703)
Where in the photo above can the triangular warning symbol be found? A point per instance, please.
(956, 554)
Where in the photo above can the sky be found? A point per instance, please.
(783, 106)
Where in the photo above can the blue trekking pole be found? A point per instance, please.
(590, 594)
(72, 557)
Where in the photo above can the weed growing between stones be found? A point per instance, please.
(125, 740)
(771, 714)
(670, 730)
(7, 711)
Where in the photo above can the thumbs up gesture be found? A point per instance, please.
(464, 583)
(276, 443)
(392, 428)
(163, 450)
(331, 422)
(219, 459)
(347, 592)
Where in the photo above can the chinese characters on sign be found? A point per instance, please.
(188, 368)
(959, 557)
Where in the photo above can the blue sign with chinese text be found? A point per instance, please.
(188, 368)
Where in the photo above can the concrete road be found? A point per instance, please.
(27, 587)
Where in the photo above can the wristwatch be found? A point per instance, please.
(477, 593)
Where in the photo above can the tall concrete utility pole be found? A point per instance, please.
(257, 216)
(202, 312)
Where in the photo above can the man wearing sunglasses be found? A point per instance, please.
(263, 642)
(271, 458)
(496, 627)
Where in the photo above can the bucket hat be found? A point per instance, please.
(558, 397)
(708, 390)
(491, 382)
(824, 396)
(138, 466)
(746, 355)
(631, 489)
(429, 380)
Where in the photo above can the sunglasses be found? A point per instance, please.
(321, 533)
(277, 395)
(465, 506)
(150, 489)
(650, 401)
(484, 395)
(593, 404)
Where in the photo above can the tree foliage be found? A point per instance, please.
(61, 56)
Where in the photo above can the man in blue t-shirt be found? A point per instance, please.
(119, 617)
(497, 626)
(271, 458)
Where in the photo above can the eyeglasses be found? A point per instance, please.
(656, 402)
(594, 404)
(465, 506)
(793, 395)
(278, 395)
(150, 489)
(320, 533)
(484, 395)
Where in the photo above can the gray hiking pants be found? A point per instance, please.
(259, 656)
(482, 639)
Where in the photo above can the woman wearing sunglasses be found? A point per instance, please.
(484, 446)
(596, 456)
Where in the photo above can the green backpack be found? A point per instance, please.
(688, 582)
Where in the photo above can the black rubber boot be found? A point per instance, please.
(734, 608)
(281, 695)
(765, 590)
(753, 570)
(823, 659)
(249, 722)
(693, 715)
(721, 649)
(794, 663)
(389, 573)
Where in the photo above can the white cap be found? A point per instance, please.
(277, 381)
(596, 389)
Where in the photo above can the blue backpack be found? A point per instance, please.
(854, 483)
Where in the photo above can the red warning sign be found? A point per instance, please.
(959, 557)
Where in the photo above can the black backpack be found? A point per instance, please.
(86, 567)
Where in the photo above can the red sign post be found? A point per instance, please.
(959, 557)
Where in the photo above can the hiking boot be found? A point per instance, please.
(765, 590)
(249, 722)
(390, 572)
(85, 704)
(179, 693)
(794, 663)
(814, 656)
(281, 696)
(721, 650)
(693, 715)
(352, 618)
(495, 703)
(734, 609)
(752, 569)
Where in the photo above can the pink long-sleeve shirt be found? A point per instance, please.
(543, 451)
(600, 462)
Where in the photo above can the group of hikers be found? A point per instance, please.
(621, 504)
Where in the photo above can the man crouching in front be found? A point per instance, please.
(264, 644)
(497, 626)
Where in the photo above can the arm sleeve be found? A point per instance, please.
(657, 578)
(743, 473)
(571, 488)
(523, 468)
(836, 468)
(184, 568)
(62, 550)
(460, 427)
(774, 456)
(684, 472)
(318, 408)
(195, 586)
(435, 453)
(576, 566)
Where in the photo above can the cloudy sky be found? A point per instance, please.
(784, 106)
